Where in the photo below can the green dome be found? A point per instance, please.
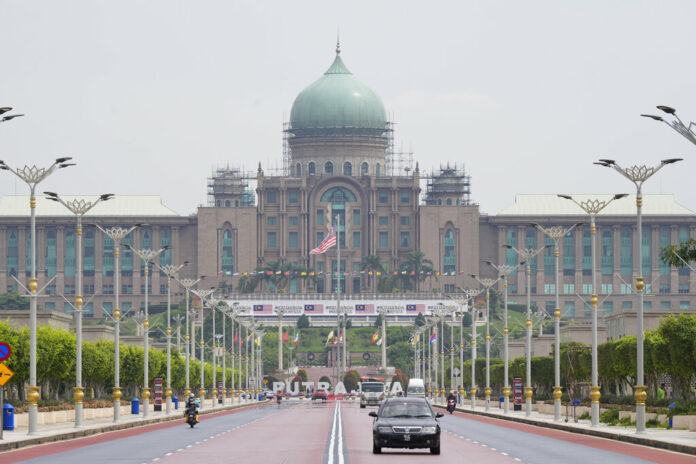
(337, 104)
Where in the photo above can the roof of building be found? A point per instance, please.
(119, 205)
(553, 205)
(337, 100)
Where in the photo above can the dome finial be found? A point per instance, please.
(338, 43)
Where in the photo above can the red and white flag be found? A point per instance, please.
(327, 243)
(285, 337)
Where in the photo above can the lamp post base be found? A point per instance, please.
(146, 407)
(528, 407)
(78, 415)
(557, 394)
(117, 411)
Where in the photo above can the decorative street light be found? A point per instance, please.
(188, 284)
(170, 271)
(147, 256)
(203, 296)
(557, 233)
(117, 235)
(527, 254)
(503, 271)
(593, 207)
(33, 175)
(688, 132)
(487, 283)
(79, 207)
(638, 175)
(469, 294)
(9, 117)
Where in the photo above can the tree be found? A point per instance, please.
(349, 323)
(420, 320)
(378, 321)
(466, 320)
(679, 353)
(303, 322)
(13, 301)
(326, 379)
(351, 379)
(671, 254)
(417, 267)
(372, 264)
(400, 355)
(303, 374)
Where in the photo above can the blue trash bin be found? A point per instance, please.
(135, 406)
(260, 396)
(176, 402)
(501, 400)
(670, 419)
(8, 417)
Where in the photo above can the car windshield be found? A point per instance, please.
(372, 387)
(406, 410)
(416, 389)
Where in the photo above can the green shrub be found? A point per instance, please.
(584, 416)
(652, 423)
(626, 421)
(610, 416)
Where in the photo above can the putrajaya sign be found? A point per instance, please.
(389, 388)
(351, 307)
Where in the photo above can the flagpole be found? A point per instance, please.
(339, 358)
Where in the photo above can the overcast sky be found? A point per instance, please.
(149, 96)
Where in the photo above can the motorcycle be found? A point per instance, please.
(279, 399)
(450, 405)
(191, 417)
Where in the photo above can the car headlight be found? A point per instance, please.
(384, 429)
(381, 397)
(429, 430)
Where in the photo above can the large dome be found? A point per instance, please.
(337, 104)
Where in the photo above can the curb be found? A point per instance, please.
(81, 433)
(637, 440)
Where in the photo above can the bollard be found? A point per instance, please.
(175, 400)
(8, 417)
(135, 406)
(670, 417)
(501, 400)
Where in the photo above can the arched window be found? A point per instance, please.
(338, 195)
(347, 169)
(227, 203)
(364, 169)
(298, 170)
(227, 253)
(218, 203)
(378, 171)
(328, 167)
(449, 202)
(439, 202)
(312, 168)
(448, 253)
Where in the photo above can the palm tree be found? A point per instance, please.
(373, 264)
(418, 265)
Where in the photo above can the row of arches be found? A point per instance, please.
(312, 169)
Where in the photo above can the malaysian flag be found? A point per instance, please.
(263, 309)
(328, 242)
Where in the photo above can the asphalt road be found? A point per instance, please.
(334, 433)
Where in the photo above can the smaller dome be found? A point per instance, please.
(337, 104)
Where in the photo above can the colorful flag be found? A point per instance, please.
(285, 336)
(327, 243)
(330, 337)
(340, 336)
(379, 342)
(236, 337)
(375, 337)
(250, 337)
(433, 338)
(297, 338)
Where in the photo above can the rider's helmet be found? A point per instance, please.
(191, 395)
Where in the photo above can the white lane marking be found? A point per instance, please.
(340, 436)
(333, 435)
(168, 454)
(504, 453)
(188, 446)
(180, 449)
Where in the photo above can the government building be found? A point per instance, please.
(340, 169)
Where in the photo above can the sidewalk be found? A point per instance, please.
(19, 438)
(682, 441)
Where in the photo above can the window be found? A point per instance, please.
(511, 258)
(88, 259)
(293, 220)
(127, 257)
(108, 308)
(328, 167)
(107, 289)
(338, 195)
(448, 202)
(450, 288)
(608, 307)
(163, 289)
(312, 169)
(227, 252)
(607, 253)
(626, 289)
(165, 258)
(405, 196)
(569, 309)
(626, 251)
(364, 169)
(50, 306)
(88, 289)
(530, 242)
(356, 217)
(149, 289)
(665, 305)
(647, 305)
(108, 256)
(271, 240)
(550, 289)
(664, 241)
(684, 305)
(88, 309)
(271, 220)
(405, 241)
(69, 254)
(665, 287)
(383, 220)
(626, 305)
(684, 287)
(383, 196)
(356, 239)
(320, 217)
(378, 170)
(549, 263)
(127, 289)
(347, 169)
(293, 196)
(272, 196)
(569, 254)
(320, 237)
(569, 289)
(683, 237)
(384, 239)
(448, 256)
(51, 289)
(607, 289)
(51, 252)
(69, 289)
(405, 220)
(586, 251)
(218, 203)
(647, 258)
(292, 240)
(587, 289)
(228, 203)
(298, 170)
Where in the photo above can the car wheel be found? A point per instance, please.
(376, 449)
(362, 406)
(435, 450)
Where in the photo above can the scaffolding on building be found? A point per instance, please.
(448, 186)
(232, 183)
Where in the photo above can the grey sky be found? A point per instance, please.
(149, 96)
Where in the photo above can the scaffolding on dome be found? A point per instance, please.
(231, 183)
(449, 186)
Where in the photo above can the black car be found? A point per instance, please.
(405, 423)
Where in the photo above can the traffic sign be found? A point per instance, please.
(455, 371)
(5, 374)
(5, 351)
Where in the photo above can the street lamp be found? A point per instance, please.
(688, 132)
(593, 207)
(527, 254)
(147, 256)
(79, 207)
(638, 175)
(503, 271)
(188, 284)
(170, 271)
(556, 233)
(9, 117)
(469, 294)
(32, 176)
(117, 235)
(487, 283)
(202, 295)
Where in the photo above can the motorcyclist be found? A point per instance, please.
(451, 400)
(192, 403)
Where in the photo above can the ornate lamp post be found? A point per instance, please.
(593, 207)
(147, 256)
(202, 295)
(33, 176)
(527, 254)
(9, 117)
(117, 235)
(79, 207)
(557, 233)
(688, 132)
(504, 270)
(170, 271)
(487, 283)
(188, 284)
(469, 294)
(638, 175)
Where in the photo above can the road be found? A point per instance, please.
(335, 433)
